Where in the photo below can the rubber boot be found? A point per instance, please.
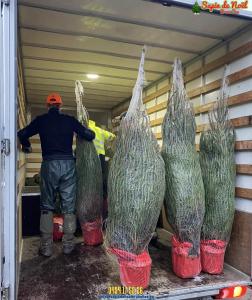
(69, 228)
(46, 229)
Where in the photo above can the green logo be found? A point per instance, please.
(196, 8)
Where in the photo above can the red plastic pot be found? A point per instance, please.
(184, 265)
(92, 232)
(134, 269)
(58, 222)
(212, 255)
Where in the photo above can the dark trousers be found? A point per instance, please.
(104, 181)
(58, 176)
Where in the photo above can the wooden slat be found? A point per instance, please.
(21, 120)
(158, 93)
(239, 145)
(22, 109)
(21, 93)
(219, 62)
(156, 122)
(202, 127)
(209, 67)
(227, 58)
(20, 185)
(237, 122)
(243, 145)
(22, 102)
(207, 88)
(240, 169)
(35, 141)
(243, 193)
(244, 169)
(242, 121)
(157, 107)
(212, 86)
(32, 170)
(21, 82)
(21, 123)
(35, 150)
(232, 101)
(21, 163)
(34, 160)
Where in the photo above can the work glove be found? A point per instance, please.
(27, 149)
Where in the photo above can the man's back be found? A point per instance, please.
(56, 134)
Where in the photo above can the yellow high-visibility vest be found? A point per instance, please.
(101, 136)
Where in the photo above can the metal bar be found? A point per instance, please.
(119, 19)
(108, 38)
(72, 80)
(33, 85)
(74, 108)
(133, 57)
(71, 100)
(191, 295)
(8, 117)
(31, 93)
(85, 63)
(206, 288)
(77, 72)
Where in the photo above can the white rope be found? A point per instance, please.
(82, 113)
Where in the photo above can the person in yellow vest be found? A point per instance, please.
(101, 136)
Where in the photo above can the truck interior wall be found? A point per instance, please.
(21, 159)
(202, 83)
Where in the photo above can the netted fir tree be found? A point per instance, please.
(136, 182)
(184, 197)
(88, 169)
(218, 169)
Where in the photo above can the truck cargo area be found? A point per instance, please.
(46, 46)
(91, 271)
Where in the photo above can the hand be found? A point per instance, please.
(93, 134)
(26, 149)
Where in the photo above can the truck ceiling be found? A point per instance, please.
(62, 41)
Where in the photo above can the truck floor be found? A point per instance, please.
(89, 271)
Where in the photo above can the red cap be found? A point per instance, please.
(54, 99)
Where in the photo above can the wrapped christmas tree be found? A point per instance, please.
(136, 190)
(218, 170)
(89, 181)
(184, 197)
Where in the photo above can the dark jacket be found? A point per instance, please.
(56, 132)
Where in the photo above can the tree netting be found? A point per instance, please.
(184, 197)
(218, 171)
(136, 187)
(89, 180)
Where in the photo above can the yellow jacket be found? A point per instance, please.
(101, 136)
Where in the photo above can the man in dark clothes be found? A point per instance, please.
(56, 132)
